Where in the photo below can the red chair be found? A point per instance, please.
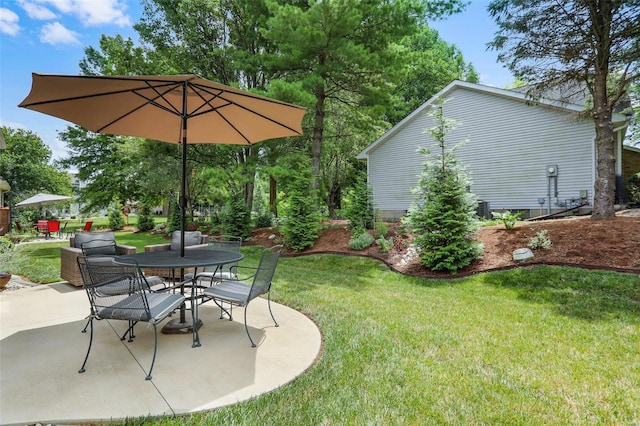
(87, 226)
(43, 227)
(53, 226)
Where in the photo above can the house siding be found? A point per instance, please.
(508, 145)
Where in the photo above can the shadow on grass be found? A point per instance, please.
(584, 294)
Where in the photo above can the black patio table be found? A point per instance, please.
(172, 259)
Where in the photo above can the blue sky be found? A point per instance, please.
(49, 36)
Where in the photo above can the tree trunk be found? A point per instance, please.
(318, 126)
(333, 200)
(250, 177)
(273, 196)
(605, 185)
(318, 130)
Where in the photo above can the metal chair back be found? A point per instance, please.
(264, 274)
(223, 242)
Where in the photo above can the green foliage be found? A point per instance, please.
(381, 229)
(145, 221)
(6, 245)
(116, 219)
(386, 244)
(360, 211)
(301, 227)
(264, 220)
(443, 217)
(173, 221)
(633, 188)
(25, 164)
(434, 64)
(508, 219)
(541, 240)
(236, 219)
(360, 240)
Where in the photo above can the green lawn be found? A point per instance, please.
(542, 345)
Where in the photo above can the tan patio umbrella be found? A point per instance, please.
(182, 109)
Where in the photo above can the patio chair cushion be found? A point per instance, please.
(99, 248)
(191, 238)
(132, 307)
(84, 237)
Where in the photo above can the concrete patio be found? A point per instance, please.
(42, 348)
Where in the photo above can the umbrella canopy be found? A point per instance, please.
(183, 109)
(42, 199)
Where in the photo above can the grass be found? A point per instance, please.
(542, 345)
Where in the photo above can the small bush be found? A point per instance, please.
(360, 212)
(236, 218)
(385, 244)
(508, 219)
(116, 219)
(381, 230)
(173, 221)
(145, 221)
(540, 241)
(361, 240)
(264, 220)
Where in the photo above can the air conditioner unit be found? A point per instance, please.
(483, 210)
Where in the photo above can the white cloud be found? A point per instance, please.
(55, 33)
(8, 22)
(36, 11)
(93, 12)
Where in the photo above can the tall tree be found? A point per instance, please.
(219, 40)
(340, 50)
(120, 56)
(26, 164)
(558, 43)
(433, 64)
(109, 165)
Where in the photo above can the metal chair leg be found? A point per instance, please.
(253, 345)
(269, 304)
(155, 349)
(84, 330)
(86, 357)
(194, 317)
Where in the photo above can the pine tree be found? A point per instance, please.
(302, 225)
(360, 212)
(443, 218)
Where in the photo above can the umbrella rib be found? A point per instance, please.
(149, 101)
(220, 95)
(94, 95)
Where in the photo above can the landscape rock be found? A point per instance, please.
(522, 254)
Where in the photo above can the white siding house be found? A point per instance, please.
(510, 143)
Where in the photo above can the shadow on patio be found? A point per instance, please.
(42, 348)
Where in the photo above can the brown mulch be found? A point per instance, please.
(612, 244)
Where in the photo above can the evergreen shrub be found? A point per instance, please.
(443, 217)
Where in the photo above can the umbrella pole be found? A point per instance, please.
(183, 187)
(183, 198)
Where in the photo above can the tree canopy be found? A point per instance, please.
(358, 66)
(26, 164)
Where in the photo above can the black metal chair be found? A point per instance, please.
(118, 292)
(241, 291)
(213, 274)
